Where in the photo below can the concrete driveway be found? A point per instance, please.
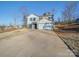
(34, 43)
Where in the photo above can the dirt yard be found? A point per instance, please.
(72, 40)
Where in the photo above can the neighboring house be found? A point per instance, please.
(40, 22)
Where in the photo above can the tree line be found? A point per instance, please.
(69, 14)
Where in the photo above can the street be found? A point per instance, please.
(33, 43)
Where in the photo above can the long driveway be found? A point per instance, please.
(33, 43)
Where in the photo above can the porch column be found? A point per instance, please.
(33, 26)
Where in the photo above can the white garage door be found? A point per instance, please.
(46, 26)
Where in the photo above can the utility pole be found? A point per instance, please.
(15, 22)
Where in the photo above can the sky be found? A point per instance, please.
(9, 10)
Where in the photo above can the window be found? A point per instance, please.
(34, 19)
(30, 19)
(50, 18)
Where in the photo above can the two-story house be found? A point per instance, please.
(40, 22)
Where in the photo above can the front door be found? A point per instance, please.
(35, 26)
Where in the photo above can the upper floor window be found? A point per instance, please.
(30, 19)
(49, 18)
(34, 19)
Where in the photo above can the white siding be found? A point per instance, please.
(40, 25)
(32, 16)
(45, 24)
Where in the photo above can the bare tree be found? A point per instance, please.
(69, 11)
(59, 20)
(24, 9)
(53, 12)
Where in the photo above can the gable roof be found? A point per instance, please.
(32, 14)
